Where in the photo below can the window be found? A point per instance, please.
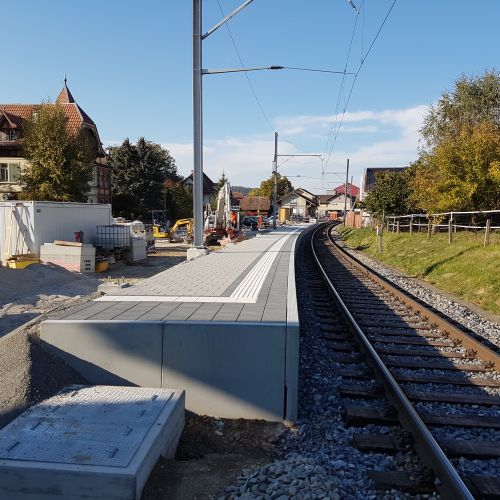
(9, 172)
(4, 172)
(14, 172)
(8, 134)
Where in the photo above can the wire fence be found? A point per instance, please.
(485, 223)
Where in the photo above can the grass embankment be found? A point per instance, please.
(464, 267)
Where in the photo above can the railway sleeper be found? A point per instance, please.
(445, 379)
(359, 416)
(401, 481)
(424, 353)
(357, 390)
(391, 360)
(412, 341)
(453, 448)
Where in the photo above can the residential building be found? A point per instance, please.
(368, 179)
(208, 187)
(12, 163)
(236, 197)
(298, 204)
(335, 199)
(255, 205)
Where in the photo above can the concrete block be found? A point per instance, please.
(227, 370)
(108, 352)
(89, 443)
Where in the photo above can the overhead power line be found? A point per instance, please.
(362, 62)
(257, 100)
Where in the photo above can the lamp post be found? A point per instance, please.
(198, 72)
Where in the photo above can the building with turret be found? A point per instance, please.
(12, 117)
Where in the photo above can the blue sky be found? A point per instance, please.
(129, 66)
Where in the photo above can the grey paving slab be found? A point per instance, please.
(159, 312)
(183, 312)
(205, 312)
(228, 312)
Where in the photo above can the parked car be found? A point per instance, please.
(249, 223)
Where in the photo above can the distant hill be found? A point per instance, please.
(241, 189)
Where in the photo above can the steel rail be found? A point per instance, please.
(489, 357)
(452, 486)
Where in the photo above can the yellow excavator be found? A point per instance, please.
(182, 230)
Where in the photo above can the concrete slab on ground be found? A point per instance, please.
(89, 442)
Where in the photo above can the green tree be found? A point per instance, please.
(390, 194)
(474, 100)
(178, 200)
(461, 173)
(60, 164)
(222, 180)
(460, 167)
(266, 188)
(141, 170)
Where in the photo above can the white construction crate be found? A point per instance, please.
(72, 258)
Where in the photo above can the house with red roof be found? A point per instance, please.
(334, 200)
(12, 117)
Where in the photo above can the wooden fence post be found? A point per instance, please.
(450, 229)
(397, 227)
(487, 232)
(411, 224)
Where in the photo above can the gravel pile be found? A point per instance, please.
(317, 459)
(481, 326)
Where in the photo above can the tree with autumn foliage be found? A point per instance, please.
(60, 164)
(459, 167)
(266, 188)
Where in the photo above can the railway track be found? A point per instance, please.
(405, 366)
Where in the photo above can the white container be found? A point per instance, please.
(34, 223)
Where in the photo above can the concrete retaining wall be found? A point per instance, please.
(227, 370)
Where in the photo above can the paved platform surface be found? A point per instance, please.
(89, 442)
(245, 282)
(224, 327)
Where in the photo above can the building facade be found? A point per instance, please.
(369, 178)
(208, 187)
(298, 204)
(335, 199)
(12, 163)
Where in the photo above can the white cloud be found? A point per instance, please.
(247, 161)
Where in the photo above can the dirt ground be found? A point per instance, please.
(210, 456)
(40, 288)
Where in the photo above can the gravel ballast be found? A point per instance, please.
(316, 456)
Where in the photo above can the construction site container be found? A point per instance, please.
(25, 226)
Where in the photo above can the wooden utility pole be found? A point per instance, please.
(345, 190)
(487, 232)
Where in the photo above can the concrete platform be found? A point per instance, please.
(223, 326)
(93, 443)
